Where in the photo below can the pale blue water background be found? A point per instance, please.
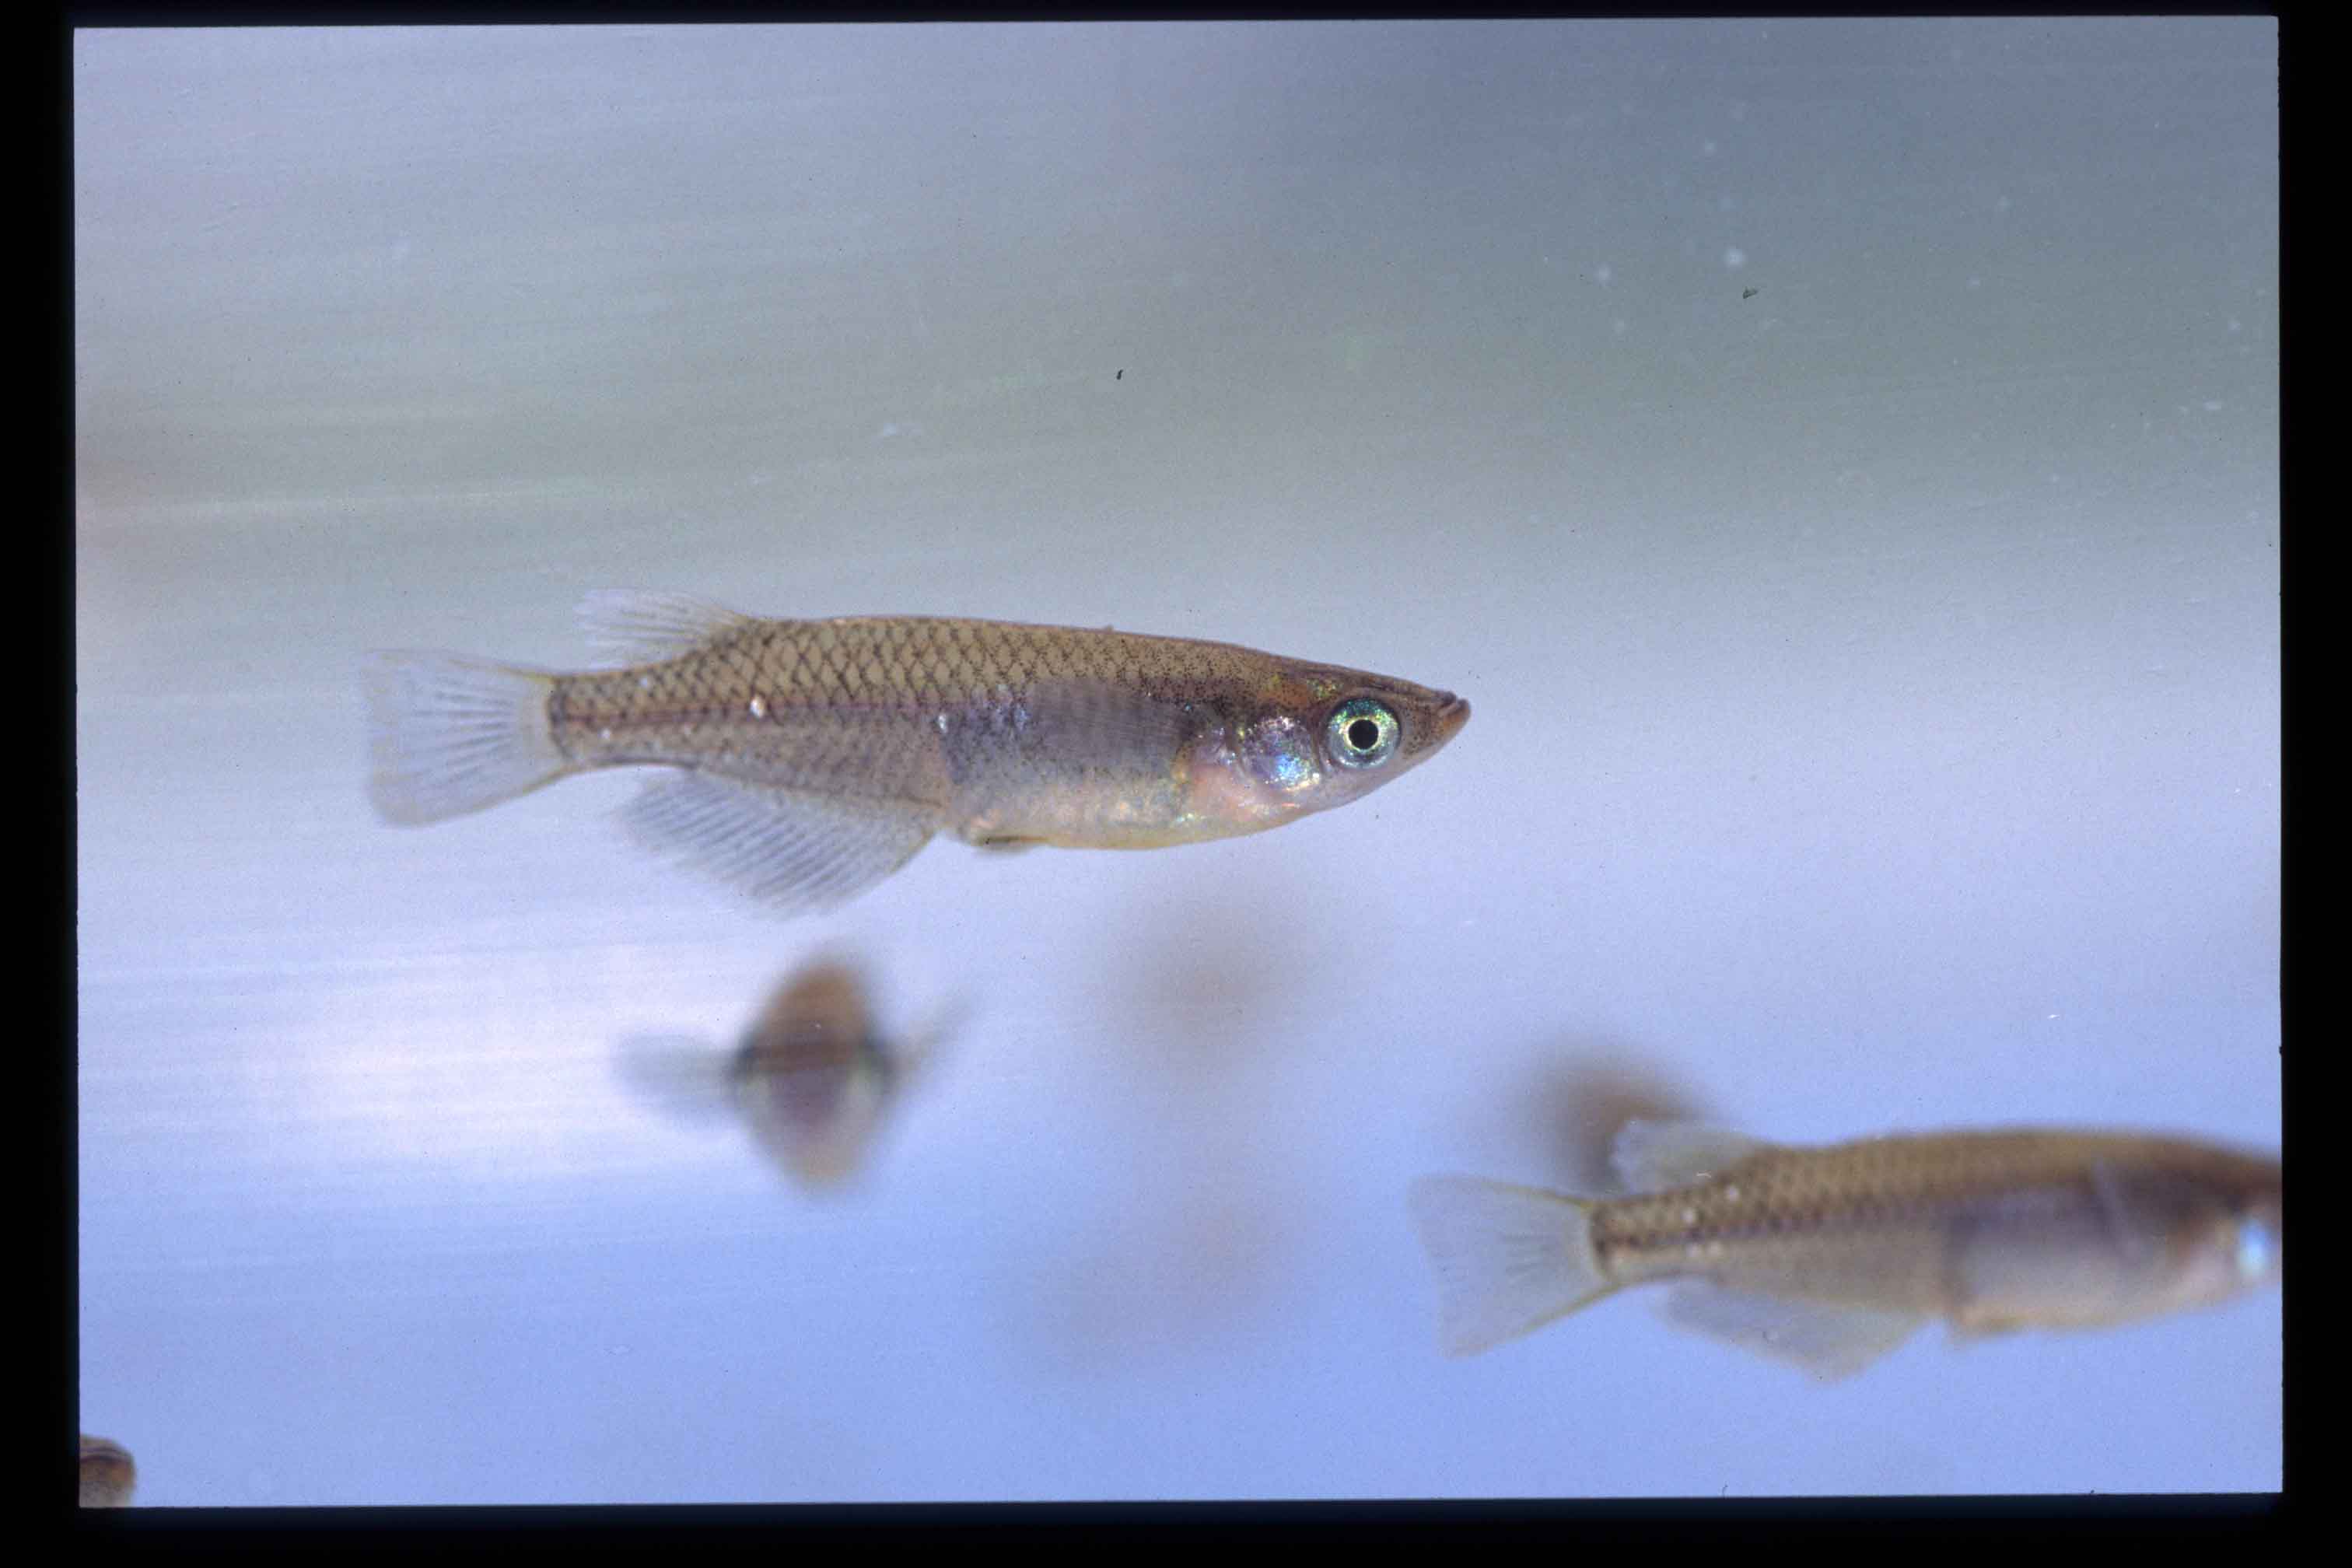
(1877, 690)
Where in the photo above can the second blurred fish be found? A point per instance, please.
(1831, 1256)
(810, 1078)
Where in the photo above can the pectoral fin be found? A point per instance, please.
(1827, 1340)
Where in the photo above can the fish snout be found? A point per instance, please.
(1452, 714)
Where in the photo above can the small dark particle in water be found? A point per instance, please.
(1747, 293)
(1121, 372)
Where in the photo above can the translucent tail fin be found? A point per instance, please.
(1507, 1259)
(449, 735)
(684, 1079)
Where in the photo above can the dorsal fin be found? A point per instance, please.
(630, 626)
(1651, 1157)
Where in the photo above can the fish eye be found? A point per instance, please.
(1362, 733)
(2254, 1247)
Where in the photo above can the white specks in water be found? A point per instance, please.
(759, 707)
(1618, 326)
(1603, 273)
(605, 733)
(644, 683)
(2235, 324)
(2212, 405)
(1976, 283)
(1690, 1217)
(1735, 258)
(1731, 1193)
(939, 722)
(2000, 204)
(1706, 149)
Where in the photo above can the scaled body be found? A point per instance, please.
(1832, 1256)
(813, 758)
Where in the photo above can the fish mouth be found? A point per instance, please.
(1452, 714)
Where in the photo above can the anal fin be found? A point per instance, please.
(1829, 1340)
(790, 850)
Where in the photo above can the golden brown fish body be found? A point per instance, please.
(1831, 1255)
(815, 757)
(107, 1475)
(1991, 1230)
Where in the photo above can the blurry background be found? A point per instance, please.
(1838, 461)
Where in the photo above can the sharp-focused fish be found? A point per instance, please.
(106, 1473)
(812, 1078)
(810, 759)
(1831, 1257)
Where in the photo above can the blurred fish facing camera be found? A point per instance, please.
(812, 1078)
(106, 1473)
(1829, 1257)
(810, 759)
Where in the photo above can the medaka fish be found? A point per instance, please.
(1831, 1257)
(810, 759)
(812, 1078)
(107, 1475)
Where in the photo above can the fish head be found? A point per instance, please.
(1313, 738)
(2230, 1236)
(107, 1474)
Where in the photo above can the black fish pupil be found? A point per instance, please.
(1364, 734)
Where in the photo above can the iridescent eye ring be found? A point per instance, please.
(1360, 733)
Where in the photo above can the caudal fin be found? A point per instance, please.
(448, 735)
(1507, 1259)
(685, 1078)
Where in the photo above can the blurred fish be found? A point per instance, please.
(810, 1078)
(1829, 1257)
(814, 758)
(106, 1473)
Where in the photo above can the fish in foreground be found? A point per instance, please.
(1831, 1257)
(812, 1078)
(106, 1473)
(808, 760)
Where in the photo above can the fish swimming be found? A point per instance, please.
(106, 1473)
(1831, 1257)
(812, 1077)
(810, 759)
